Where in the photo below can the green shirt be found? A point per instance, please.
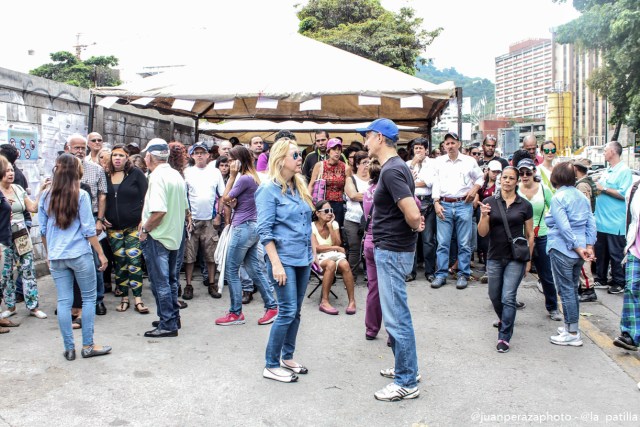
(167, 193)
(540, 203)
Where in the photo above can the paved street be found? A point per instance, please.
(211, 375)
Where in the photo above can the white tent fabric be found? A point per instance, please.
(291, 69)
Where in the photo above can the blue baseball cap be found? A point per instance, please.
(202, 145)
(384, 127)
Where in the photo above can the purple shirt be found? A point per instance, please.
(243, 190)
(367, 204)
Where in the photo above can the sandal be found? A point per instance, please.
(142, 309)
(124, 306)
(77, 323)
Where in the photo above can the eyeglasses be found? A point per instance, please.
(525, 173)
(95, 140)
(296, 155)
(549, 150)
(327, 210)
(475, 153)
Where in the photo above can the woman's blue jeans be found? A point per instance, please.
(566, 275)
(282, 339)
(63, 272)
(244, 250)
(505, 276)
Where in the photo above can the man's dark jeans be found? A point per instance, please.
(163, 275)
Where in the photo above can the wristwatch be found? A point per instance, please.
(144, 230)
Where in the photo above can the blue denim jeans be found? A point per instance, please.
(429, 245)
(243, 249)
(566, 275)
(245, 279)
(282, 339)
(543, 266)
(458, 215)
(162, 267)
(63, 271)
(505, 276)
(392, 268)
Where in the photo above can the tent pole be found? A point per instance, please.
(459, 99)
(197, 126)
(92, 107)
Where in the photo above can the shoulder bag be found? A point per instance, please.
(319, 186)
(519, 246)
(19, 232)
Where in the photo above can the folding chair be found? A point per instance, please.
(316, 272)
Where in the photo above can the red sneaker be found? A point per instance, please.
(269, 316)
(230, 319)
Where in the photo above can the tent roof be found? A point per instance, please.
(291, 69)
(304, 131)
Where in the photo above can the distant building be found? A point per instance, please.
(523, 76)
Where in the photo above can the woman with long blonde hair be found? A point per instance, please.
(284, 225)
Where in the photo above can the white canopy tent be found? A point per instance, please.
(283, 78)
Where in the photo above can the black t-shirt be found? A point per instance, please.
(5, 221)
(390, 230)
(483, 163)
(519, 212)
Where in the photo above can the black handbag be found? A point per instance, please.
(519, 246)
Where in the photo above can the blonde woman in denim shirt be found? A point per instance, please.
(284, 225)
(570, 240)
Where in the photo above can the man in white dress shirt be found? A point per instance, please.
(457, 180)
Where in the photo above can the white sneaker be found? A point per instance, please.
(560, 330)
(555, 315)
(7, 313)
(539, 286)
(280, 374)
(391, 373)
(565, 338)
(393, 393)
(39, 314)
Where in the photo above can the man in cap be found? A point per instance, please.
(133, 148)
(205, 186)
(396, 220)
(93, 176)
(457, 181)
(161, 228)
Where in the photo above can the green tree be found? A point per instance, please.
(365, 28)
(66, 68)
(612, 27)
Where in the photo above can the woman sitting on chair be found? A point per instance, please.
(331, 256)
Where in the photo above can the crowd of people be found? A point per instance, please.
(262, 217)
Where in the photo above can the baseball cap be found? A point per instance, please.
(495, 165)
(582, 162)
(333, 142)
(526, 163)
(133, 144)
(452, 135)
(384, 127)
(202, 145)
(157, 146)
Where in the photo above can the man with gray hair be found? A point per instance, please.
(611, 220)
(161, 228)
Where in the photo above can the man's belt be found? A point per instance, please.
(452, 199)
(422, 198)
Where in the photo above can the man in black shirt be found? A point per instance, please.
(319, 154)
(396, 220)
(489, 153)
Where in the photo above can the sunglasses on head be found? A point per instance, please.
(327, 210)
(296, 155)
(525, 172)
(549, 150)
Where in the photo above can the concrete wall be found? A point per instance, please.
(55, 110)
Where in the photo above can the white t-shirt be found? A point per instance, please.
(354, 209)
(204, 187)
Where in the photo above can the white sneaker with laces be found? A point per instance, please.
(565, 338)
(394, 393)
(391, 373)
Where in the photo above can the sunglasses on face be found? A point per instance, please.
(549, 150)
(475, 153)
(96, 140)
(296, 155)
(526, 172)
(326, 211)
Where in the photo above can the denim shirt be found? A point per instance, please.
(284, 219)
(570, 221)
(71, 242)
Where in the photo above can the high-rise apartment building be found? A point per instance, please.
(523, 76)
(571, 70)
